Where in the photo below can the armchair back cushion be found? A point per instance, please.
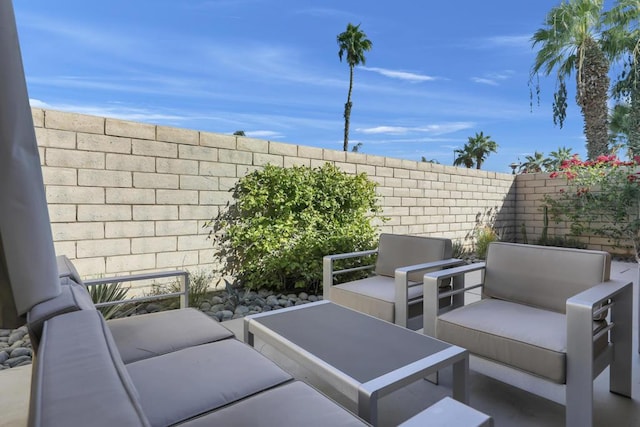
(542, 276)
(395, 250)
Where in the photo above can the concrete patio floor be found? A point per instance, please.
(507, 405)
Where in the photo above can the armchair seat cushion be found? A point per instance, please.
(524, 337)
(374, 295)
(153, 334)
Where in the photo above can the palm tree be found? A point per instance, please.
(570, 42)
(557, 157)
(353, 42)
(465, 156)
(482, 145)
(621, 40)
(535, 163)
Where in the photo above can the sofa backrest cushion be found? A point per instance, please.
(542, 276)
(79, 378)
(396, 250)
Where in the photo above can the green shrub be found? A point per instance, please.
(484, 237)
(110, 292)
(199, 288)
(284, 220)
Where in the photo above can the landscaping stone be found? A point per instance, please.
(15, 344)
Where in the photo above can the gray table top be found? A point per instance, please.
(359, 345)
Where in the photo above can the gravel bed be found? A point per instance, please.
(15, 345)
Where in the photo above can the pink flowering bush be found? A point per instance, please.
(602, 199)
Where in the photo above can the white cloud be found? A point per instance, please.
(36, 103)
(264, 134)
(433, 129)
(493, 79)
(401, 75)
(514, 41)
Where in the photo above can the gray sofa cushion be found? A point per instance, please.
(149, 335)
(396, 251)
(183, 384)
(294, 404)
(542, 276)
(373, 295)
(527, 338)
(79, 378)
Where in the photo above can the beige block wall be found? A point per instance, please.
(530, 192)
(128, 197)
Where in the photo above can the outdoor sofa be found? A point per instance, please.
(175, 367)
(550, 321)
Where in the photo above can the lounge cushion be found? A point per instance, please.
(79, 378)
(374, 295)
(396, 251)
(67, 269)
(542, 276)
(149, 335)
(523, 337)
(183, 384)
(294, 404)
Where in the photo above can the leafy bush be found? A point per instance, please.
(284, 220)
(199, 283)
(484, 237)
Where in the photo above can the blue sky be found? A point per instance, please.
(438, 72)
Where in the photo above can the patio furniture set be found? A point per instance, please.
(536, 327)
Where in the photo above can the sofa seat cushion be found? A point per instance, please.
(176, 386)
(78, 377)
(149, 335)
(303, 406)
(523, 337)
(374, 295)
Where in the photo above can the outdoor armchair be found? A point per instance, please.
(394, 292)
(550, 321)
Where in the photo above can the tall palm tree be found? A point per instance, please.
(465, 156)
(621, 41)
(535, 163)
(353, 43)
(570, 41)
(482, 145)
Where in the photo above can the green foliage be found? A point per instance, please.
(603, 199)
(284, 220)
(459, 250)
(475, 151)
(562, 242)
(484, 237)
(199, 288)
(110, 292)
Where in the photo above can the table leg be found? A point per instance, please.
(368, 406)
(460, 383)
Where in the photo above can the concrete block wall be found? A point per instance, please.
(530, 192)
(128, 197)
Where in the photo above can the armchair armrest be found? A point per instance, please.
(615, 296)
(327, 268)
(402, 284)
(431, 292)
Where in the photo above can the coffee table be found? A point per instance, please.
(360, 356)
